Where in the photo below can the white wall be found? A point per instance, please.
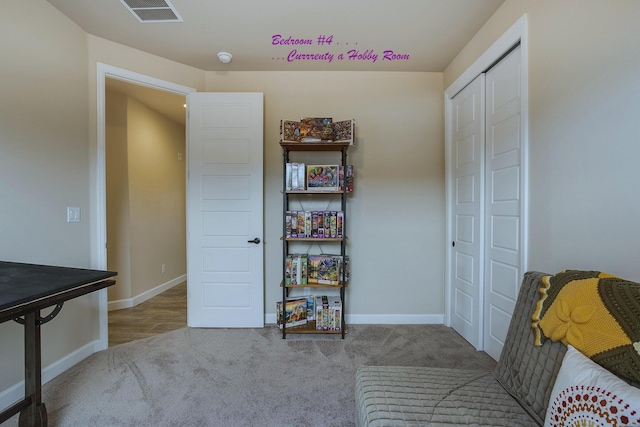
(399, 154)
(44, 152)
(584, 91)
(146, 224)
(117, 197)
(396, 212)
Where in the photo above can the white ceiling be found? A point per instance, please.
(430, 32)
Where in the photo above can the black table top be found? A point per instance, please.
(22, 283)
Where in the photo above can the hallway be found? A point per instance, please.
(163, 313)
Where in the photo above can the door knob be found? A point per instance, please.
(256, 241)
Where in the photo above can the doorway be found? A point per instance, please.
(234, 151)
(146, 218)
(108, 72)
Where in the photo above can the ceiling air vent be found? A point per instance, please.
(148, 11)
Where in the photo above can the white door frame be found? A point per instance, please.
(514, 35)
(105, 71)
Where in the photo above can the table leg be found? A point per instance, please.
(35, 415)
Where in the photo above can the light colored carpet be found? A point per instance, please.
(242, 377)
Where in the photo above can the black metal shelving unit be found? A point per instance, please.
(287, 148)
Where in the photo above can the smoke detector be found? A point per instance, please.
(224, 57)
(150, 11)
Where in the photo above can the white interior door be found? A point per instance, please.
(504, 199)
(225, 277)
(466, 209)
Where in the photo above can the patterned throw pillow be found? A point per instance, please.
(585, 394)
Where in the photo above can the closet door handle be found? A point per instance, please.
(256, 241)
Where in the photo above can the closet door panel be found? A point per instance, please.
(503, 199)
(467, 221)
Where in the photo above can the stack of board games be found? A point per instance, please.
(315, 224)
(323, 177)
(295, 312)
(325, 269)
(311, 311)
(295, 306)
(296, 269)
(328, 313)
(349, 178)
(303, 269)
(297, 173)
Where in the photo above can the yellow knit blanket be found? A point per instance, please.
(597, 313)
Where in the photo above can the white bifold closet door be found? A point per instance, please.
(487, 203)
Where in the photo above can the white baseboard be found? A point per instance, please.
(138, 299)
(395, 319)
(383, 319)
(15, 393)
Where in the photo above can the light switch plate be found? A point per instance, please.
(73, 214)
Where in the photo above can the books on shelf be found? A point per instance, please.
(317, 129)
(328, 313)
(314, 224)
(295, 312)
